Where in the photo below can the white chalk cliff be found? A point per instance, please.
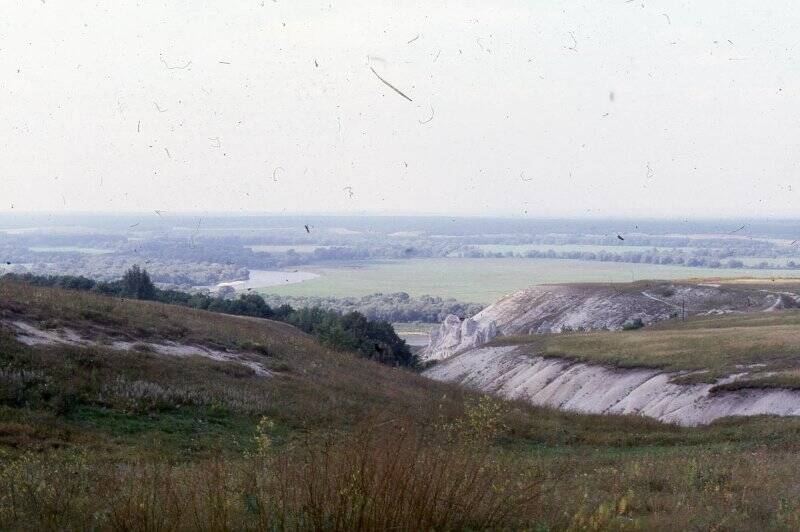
(516, 372)
(592, 388)
(554, 308)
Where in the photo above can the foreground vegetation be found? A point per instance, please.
(97, 438)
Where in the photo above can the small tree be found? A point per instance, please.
(226, 292)
(136, 283)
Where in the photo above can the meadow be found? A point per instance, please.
(485, 280)
(415, 334)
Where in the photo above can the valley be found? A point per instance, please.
(487, 279)
(116, 419)
(105, 428)
(581, 383)
(273, 266)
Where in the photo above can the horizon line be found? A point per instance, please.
(403, 214)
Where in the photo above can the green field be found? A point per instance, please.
(415, 334)
(275, 248)
(70, 249)
(486, 280)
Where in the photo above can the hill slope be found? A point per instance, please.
(149, 416)
(687, 372)
(556, 308)
(306, 374)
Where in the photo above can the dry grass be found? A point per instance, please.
(771, 283)
(389, 476)
(383, 475)
(394, 477)
(315, 381)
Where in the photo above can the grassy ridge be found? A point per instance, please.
(349, 331)
(710, 347)
(103, 439)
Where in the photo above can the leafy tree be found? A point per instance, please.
(136, 283)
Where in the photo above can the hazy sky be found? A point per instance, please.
(538, 108)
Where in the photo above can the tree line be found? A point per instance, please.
(352, 331)
(700, 258)
(392, 307)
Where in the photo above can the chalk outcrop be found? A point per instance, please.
(31, 335)
(555, 308)
(455, 335)
(592, 388)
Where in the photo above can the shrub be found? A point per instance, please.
(254, 347)
(633, 324)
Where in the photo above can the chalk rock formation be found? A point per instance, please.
(555, 308)
(592, 388)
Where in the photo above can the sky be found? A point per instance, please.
(518, 108)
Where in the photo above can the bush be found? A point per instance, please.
(255, 347)
(633, 324)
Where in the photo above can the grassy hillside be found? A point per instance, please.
(94, 437)
(767, 345)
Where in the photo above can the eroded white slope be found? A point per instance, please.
(31, 335)
(592, 388)
(554, 308)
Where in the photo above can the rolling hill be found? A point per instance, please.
(593, 306)
(127, 414)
